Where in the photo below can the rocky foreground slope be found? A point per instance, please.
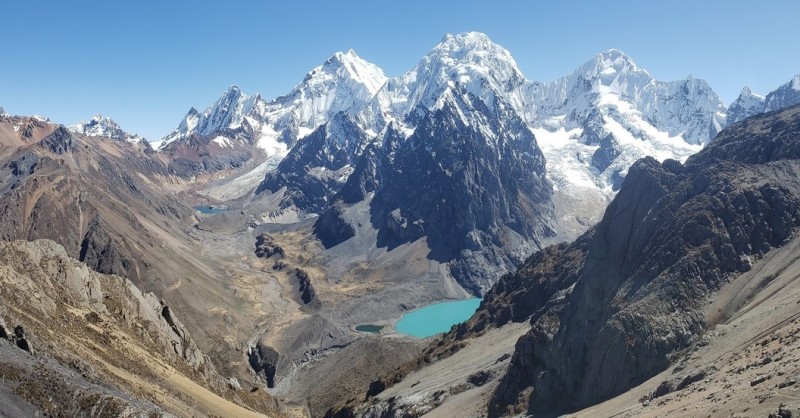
(74, 342)
(626, 300)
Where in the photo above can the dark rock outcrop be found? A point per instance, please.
(448, 180)
(266, 248)
(605, 155)
(100, 252)
(784, 412)
(25, 165)
(264, 359)
(365, 178)
(20, 340)
(681, 382)
(60, 141)
(305, 289)
(332, 229)
(317, 167)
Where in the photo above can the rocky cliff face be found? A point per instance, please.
(318, 166)
(672, 236)
(59, 142)
(475, 190)
(469, 180)
(44, 268)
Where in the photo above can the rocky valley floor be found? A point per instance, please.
(322, 358)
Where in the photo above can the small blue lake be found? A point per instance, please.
(437, 318)
(372, 329)
(209, 210)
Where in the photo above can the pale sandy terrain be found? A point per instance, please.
(443, 388)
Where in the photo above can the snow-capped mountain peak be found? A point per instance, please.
(609, 65)
(687, 108)
(343, 72)
(343, 83)
(746, 105)
(611, 71)
(784, 96)
(101, 126)
(472, 62)
(227, 112)
(462, 63)
(746, 92)
(350, 65)
(595, 122)
(471, 47)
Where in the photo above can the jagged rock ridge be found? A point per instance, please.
(105, 127)
(750, 104)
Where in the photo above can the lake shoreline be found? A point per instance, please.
(445, 314)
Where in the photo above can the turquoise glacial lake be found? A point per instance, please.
(209, 210)
(437, 318)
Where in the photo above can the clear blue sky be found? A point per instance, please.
(144, 63)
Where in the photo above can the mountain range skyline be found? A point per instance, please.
(154, 61)
(379, 77)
